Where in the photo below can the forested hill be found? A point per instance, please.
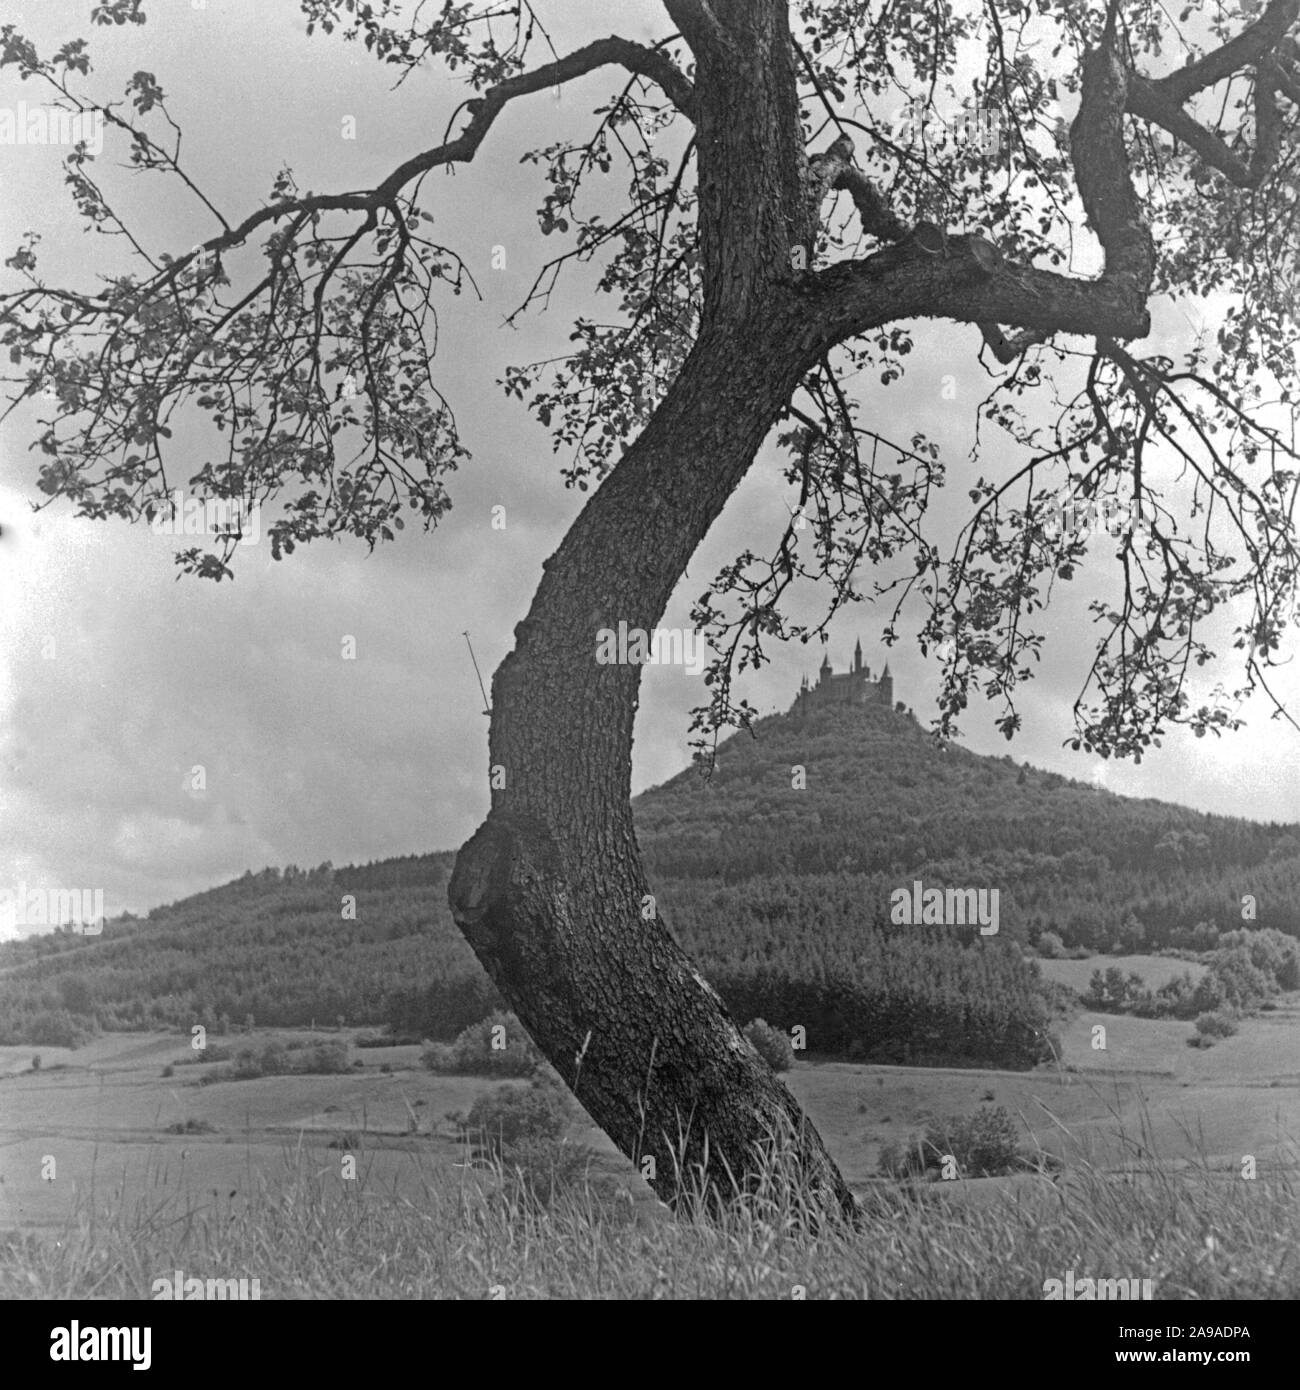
(776, 874)
(881, 805)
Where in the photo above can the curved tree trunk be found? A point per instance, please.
(550, 891)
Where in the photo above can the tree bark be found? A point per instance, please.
(550, 891)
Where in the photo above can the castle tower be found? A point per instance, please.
(852, 687)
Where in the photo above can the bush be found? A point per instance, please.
(326, 1059)
(984, 1144)
(247, 1066)
(771, 1044)
(541, 1168)
(502, 1119)
(1216, 1025)
(168, 1070)
(58, 1029)
(36, 1061)
(191, 1126)
(495, 1046)
(1050, 946)
(1271, 952)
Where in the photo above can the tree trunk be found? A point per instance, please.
(550, 891)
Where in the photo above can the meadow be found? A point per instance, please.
(153, 1173)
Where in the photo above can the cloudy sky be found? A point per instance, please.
(116, 680)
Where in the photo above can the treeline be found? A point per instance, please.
(293, 952)
(917, 996)
(289, 957)
(1244, 971)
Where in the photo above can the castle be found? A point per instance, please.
(854, 687)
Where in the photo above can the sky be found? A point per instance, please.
(117, 681)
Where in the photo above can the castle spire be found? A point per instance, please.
(857, 655)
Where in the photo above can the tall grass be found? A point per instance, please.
(1195, 1232)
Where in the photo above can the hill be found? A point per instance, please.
(777, 872)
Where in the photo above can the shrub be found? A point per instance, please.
(36, 1061)
(1241, 984)
(1050, 946)
(771, 1044)
(541, 1168)
(984, 1144)
(501, 1119)
(1216, 1025)
(58, 1029)
(895, 1160)
(247, 1067)
(495, 1046)
(326, 1058)
(168, 1070)
(1270, 951)
(191, 1127)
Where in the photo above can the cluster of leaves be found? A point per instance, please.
(329, 345)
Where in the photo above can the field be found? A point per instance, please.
(1155, 970)
(87, 1162)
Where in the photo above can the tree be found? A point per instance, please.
(749, 294)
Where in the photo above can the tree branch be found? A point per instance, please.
(1162, 101)
(1252, 45)
(835, 169)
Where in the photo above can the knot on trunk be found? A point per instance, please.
(503, 877)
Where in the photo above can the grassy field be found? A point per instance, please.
(1155, 970)
(98, 1196)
